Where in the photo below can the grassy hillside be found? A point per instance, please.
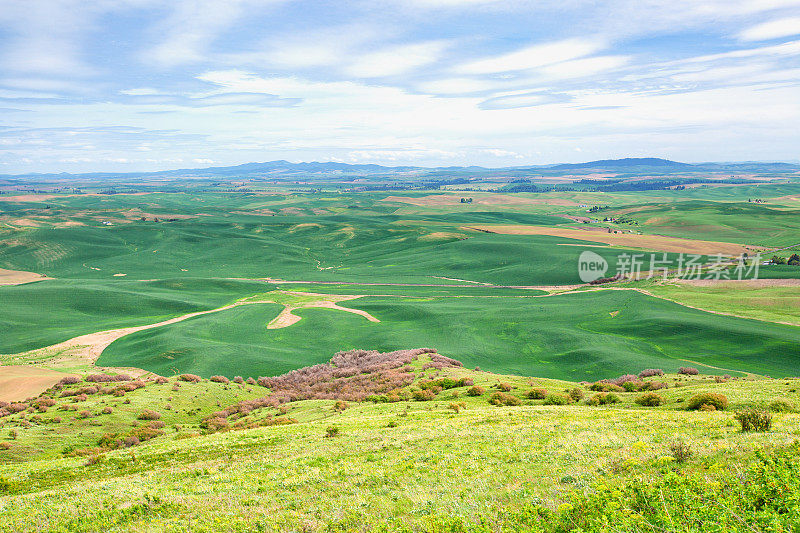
(451, 463)
(47, 312)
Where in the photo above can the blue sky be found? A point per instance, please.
(126, 85)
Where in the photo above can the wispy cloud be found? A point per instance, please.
(534, 56)
(773, 29)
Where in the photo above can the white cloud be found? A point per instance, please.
(141, 91)
(579, 68)
(193, 28)
(396, 60)
(458, 86)
(774, 29)
(533, 56)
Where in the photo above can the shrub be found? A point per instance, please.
(457, 407)
(624, 379)
(555, 398)
(214, 423)
(147, 414)
(250, 381)
(340, 406)
(190, 378)
(681, 450)
(654, 385)
(220, 379)
(632, 386)
(501, 398)
(781, 406)
(238, 379)
(69, 380)
(576, 394)
(17, 407)
(604, 398)
(332, 431)
(537, 394)
(476, 391)
(157, 424)
(107, 410)
(605, 386)
(650, 372)
(505, 387)
(717, 401)
(753, 419)
(161, 380)
(423, 395)
(84, 414)
(650, 399)
(688, 371)
(105, 378)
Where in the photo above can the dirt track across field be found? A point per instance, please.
(87, 348)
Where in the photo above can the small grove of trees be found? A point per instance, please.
(793, 260)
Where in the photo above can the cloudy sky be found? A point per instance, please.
(122, 85)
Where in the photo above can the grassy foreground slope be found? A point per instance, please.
(454, 462)
(578, 336)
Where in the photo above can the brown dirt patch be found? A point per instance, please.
(629, 240)
(256, 212)
(21, 382)
(442, 236)
(18, 277)
(576, 219)
(495, 199)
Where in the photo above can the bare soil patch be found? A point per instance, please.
(18, 277)
(21, 382)
(631, 240)
(495, 199)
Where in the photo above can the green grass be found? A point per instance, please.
(47, 312)
(483, 467)
(775, 304)
(578, 336)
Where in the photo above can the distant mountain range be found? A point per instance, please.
(285, 170)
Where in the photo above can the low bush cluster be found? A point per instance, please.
(688, 371)
(501, 398)
(707, 401)
(604, 398)
(190, 378)
(650, 399)
(105, 378)
(353, 375)
(220, 379)
(555, 398)
(754, 419)
(444, 384)
(537, 394)
(476, 391)
(650, 372)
